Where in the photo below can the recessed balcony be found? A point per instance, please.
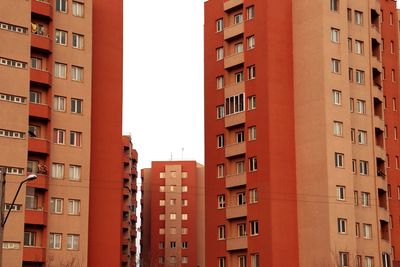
(41, 111)
(42, 8)
(41, 42)
(236, 243)
(233, 31)
(235, 180)
(236, 212)
(234, 60)
(37, 217)
(38, 145)
(40, 76)
(231, 4)
(235, 150)
(235, 119)
(34, 254)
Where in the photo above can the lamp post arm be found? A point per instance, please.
(12, 204)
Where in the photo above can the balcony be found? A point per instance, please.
(41, 42)
(233, 31)
(134, 155)
(378, 122)
(235, 150)
(233, 60)
(133, 217)
(42, 181)
(234, 89)
(231, 4)
(234, 119)
(236, 212)
(40, 76)
(235, 180)
(41, 111)
(124, 258)
(37, 217)
(42, 8)
(236, 243)
(38, 145)
(126, 158)
(125, 191)
(34, 254)
(134, 172)
(125, 224)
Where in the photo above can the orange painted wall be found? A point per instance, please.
(105, 216)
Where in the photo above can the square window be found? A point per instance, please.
(238, 18)
(56, 205)
(75, 138)
(60, 70)
(61, 37)
(360, 77)
(76, 105)
(239, 48)
(77, 73)
(74, 172)
(61, 6)
(77, 41)
(35, 97)
(29, 239)
(338, 128)
(36, 63)
(55, 240)
(74, 207)
(72, 242)
(57, 171)
(59, 103)
(59, 136)
(78, 9)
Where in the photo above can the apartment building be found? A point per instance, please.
(173, 214)
(301, 133)
(59, 119)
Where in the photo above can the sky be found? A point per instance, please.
(163, 79)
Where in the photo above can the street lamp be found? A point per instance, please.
(3, 220)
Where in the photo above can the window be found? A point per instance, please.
(185, 231)
(220, 141)
(61, 37)
(222, 262)
(11, 245)
(242, 261)
(234, 104)
(351, 104)
(358, 17)
(335, 65)
(219, 24)
(251, 72)
(29, 239)
(340, 192)
(172, 202)
(55, 240)
(221, 232)
(77, 41)
(239, 137)
(239, 77)
(56, 205)
(35, 97)
(220, 82)
(13, 63)
(338, 128)
(184, 188)
(185, 259)
(361, 106)
(162, 188)
(253, 195)
(253, 164)
(334, 5)
(357, 229)
(57, 170)
(254, 227)
(358, 47)
(239, 48)
(255, 260)
(162, 202)
(343, 259)
(241, 229)
(74, 172)
(337, 97)
(252, 102)
(60, 70)
(251, 42)
(220, 112)
(185, 244)
(76, 106)
(220, 53)
(365, 199)
(369, 261)
(75, 138)
(238, 18)
(339, 160)
(349, 15)
(59, 103)
(252, 133)
(362, 137)
(15, 207)
(13, 28)
(74, 207)
(161, 260)
(77, 9)
(351, 74)
(220, 170)
(386, 262)
(342, 224)
(72, 242)
(184, 217)
(184, 202)
(239, 167)
(250, 12)
(335, 35)
(172, 188)
(36, 63)
(367, 231)
(360, 76)
(61, 6)
(77, 73)
(354, 165)
(161, 231)
(162, 175)
(241, 198)
(355, 198)
(363, 167)
(172, 216)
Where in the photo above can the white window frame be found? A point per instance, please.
(335, 66)
(55, 240)
(253, 196)
(253, 164)
(73, 242)
(220, 53)
(76, 106)
(77, 40)
(335, 35)
(254, 228)
(77, 73)
(57, 170)
(74, 173)
(75, 138)
(61, 37)
(363, 170)
(62, 6)
(367, 231)
(338, 128)
(60, 70)
(342, 225)
(252, 133)
(362, 137)
(339, 160)
(251, 102)
(219, 25)
(60, 103)
(56, 205)
(74, 206)
(340, 192)
(78, 9)
(251, 42)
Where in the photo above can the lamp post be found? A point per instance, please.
(3, 220)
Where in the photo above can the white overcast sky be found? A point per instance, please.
(163, 79)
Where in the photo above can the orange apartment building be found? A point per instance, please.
(173, 214)
(61, 117)
(301, 145)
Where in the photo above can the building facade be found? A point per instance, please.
(301, 133)
(54, 123)
(173, 214)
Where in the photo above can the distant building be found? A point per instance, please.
(173, 214)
